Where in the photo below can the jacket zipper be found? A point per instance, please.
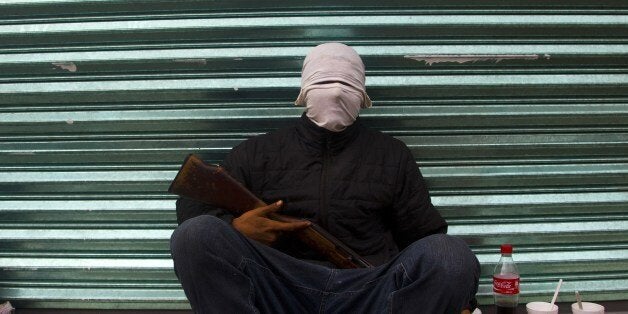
(324, 201)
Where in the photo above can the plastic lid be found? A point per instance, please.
(506, 248)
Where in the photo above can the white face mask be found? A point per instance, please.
(333, 106)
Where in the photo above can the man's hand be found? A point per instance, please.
(256, 225)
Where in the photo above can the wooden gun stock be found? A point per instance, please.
(212, 185)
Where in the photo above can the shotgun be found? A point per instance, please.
(212, 185)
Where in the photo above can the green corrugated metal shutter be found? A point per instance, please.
(516, 111)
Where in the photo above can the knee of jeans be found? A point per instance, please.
(449, 256)
(196, 232)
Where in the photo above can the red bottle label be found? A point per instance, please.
(505, 284)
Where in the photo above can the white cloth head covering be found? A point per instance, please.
(333, 62)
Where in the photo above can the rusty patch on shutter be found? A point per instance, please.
(466, 58)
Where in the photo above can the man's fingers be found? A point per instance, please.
(289, 226)
(264, 211)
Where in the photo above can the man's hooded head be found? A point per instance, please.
(333, 86)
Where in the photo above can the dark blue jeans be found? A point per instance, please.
(222, 271)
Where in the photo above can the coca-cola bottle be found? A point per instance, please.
(506, 282)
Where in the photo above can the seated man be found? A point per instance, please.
(359, 184)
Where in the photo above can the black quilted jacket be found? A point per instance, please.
(361, 185)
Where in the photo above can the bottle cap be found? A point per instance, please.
(506, 249)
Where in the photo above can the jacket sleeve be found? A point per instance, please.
(235, 164)
(414, 216)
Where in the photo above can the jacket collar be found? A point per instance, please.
(321, 139)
